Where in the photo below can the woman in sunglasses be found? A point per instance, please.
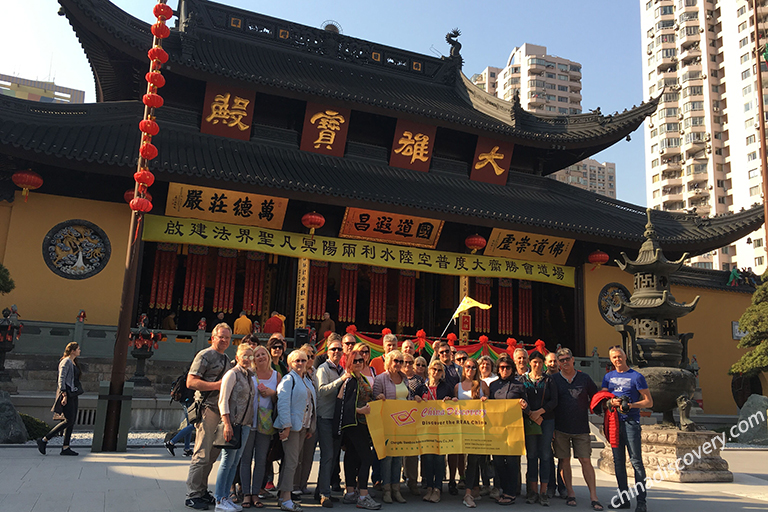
(392, 385)
(433, 465)
(276, 347)
(354, 396)
(472, 388)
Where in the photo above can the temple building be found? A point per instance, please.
(304, 171)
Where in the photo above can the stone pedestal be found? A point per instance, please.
(662, 447)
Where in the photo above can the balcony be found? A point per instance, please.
(670, 167)
(536, 100)
(672, 194)
(690, 52)
(697, 177)
(672, 180)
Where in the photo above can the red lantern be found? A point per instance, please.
(475, 242)
(598, 258)
(157, 53)
(144, 177)
(149, 127)
(162, 11)
(27, 180)
(148, 151)
(155, 78)
(313, 221)
(160, 30)
(140, 204)
(129, 195)
(153, 100)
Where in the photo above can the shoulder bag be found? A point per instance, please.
(237, 432)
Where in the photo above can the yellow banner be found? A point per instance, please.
(219, 205)
(338, 250)
(403, 427)
(532, 247)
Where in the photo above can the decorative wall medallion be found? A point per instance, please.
(607, 298)
(76, 249)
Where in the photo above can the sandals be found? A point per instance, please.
(596, 505)
(506, 499)
(469, 501)
(570, 501)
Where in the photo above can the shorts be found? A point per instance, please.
(582, 445)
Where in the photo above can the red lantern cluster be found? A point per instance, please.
(140, 201)
(27, 180)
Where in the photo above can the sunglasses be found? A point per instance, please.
(350, 344)
(564, 359)
(398, 361)
(460, 359)
(277, 348)
(247, 357)
(421, 365)
(444, 352)
(409, 362)
(505, 367)
(439, 370)
(335, 349)
(470, 367)
(358, 361)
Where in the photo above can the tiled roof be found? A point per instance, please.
(233, 44)
(106, 134)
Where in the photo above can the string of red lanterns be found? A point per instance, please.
(141, 201)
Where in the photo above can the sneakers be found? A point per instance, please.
(428, 496)
(196, 503)
(290, 506)
(544, 499)
(641, 507)
(232, 505)
(367, 503)
(208, 497)
(350, 498)
(171, 448)
(325, 502)
(435, 498)
(222, 506)
(69, 451)
(531, 497)
(622, 505)
(452, 489)
(295, 495)
(188, 452)
(269, 487)
(41, 445)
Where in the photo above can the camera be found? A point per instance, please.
(624, 408)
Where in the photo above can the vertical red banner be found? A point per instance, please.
(483, 294)
(491, 162)
(412, 146)
(506, 306)
(325, 129)
(525, 310)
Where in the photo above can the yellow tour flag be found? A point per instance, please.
(467, 303)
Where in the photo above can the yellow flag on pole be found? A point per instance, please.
(468, 303)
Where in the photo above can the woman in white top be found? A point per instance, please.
(265, 380)
(472, 388)
(486, 369)
(368, 372)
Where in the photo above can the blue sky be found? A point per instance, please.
(603, 35)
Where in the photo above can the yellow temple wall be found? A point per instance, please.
(42, 295)
(712, 344)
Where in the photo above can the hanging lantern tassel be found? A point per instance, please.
(483, 294)
(348, 292)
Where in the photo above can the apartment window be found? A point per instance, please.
(666, 53)
(562, 99)
(753, 173)
(693, 105)
(551, 75)
(688, 16)
(746, 90)
(719, 135)
(656, 194)
(759, 261)
(703, 264)
(668, 112)
(741, 10)
(721, 200)
(654, 148)
(749, 122)
(690, 3)
(562, 77)
(693, 121)
(696, 169)
(715, 73)
(577, 69)
(748, 106)
(671, 96)
(742, 26)
(550, 97)
(649, 5)
(724, 250)
(549, 86)
(726, 267)
(664, 10)
(750, 140)
(690, 31)
(746, 74)
(716, 88)
(672, 142)
(693, 90)
(669, 127)
(744, 58)
(754, 191)
(574, 111)
(744, 42)
(561, 110)
(563, 88)
(691, 75)
(655, 178)
(562, 67)
(654, 133)
(654, 163)
(751, 156)
(493, 75)
(551, 108)
(665, 24)
(757, 243)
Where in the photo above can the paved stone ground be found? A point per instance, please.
(148, 479)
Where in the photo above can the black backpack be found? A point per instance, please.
(180, 392)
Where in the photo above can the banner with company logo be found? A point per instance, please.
(403, 427)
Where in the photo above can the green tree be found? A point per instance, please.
(6, 283)
(754, 322)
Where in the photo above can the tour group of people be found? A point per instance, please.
(264, 406)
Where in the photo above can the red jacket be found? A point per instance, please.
(611, 418)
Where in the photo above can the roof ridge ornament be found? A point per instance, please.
(451, 39)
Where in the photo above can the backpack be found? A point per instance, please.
(180, 392)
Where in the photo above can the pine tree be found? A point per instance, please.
(754, 322)
(6, 283)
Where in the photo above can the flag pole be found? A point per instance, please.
(453, 317)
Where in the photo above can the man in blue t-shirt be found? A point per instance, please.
(626, 382)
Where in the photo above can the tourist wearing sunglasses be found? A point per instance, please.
(352, 426)
(392, 385)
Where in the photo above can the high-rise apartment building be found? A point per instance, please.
(703, 145)
(46, 92)
(589, 174)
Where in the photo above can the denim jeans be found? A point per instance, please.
(555, 480)
(539, 453)
(391, 469)
(186, 432)
(433, 470)
(507, 473)
(228, 467)
(629, 437)
(330, 448)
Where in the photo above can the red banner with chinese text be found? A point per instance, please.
(412, 146)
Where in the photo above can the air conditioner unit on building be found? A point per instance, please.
(704, 76)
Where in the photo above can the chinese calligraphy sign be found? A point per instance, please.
(325, 129)
(228, 111)
(340, 250)
(225, 206)
(528, 246)
(302, 291)
(412, 145)
(491, 162)
(364, 224)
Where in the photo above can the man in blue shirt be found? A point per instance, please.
(626, 382)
